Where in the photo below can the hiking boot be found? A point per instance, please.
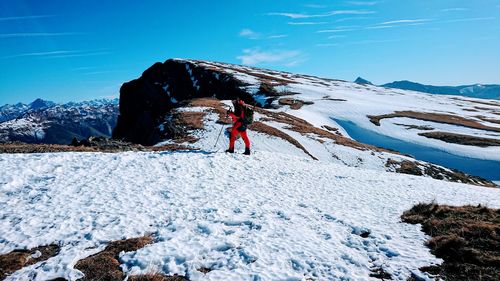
(247, 151)
(231, 150)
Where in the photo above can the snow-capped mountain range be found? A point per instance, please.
(47, 122)
(474, 91)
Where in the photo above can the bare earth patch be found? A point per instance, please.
(18, 147)
(434, 117)
(416, 127)
(17, 259)
(467, 239)
(491, 103)
(462, 139)
(435, 172)
(263, 128)
(106, 266)
(294, 103)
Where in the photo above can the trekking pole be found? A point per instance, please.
(222, 127)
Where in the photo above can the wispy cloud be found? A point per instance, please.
(25, 17)
(61, 54)
(454, 10)
(250, 34)
(307, 22)
(335, 30)
(256, 56)
(336, 36)
(88, 54)
(315, 6)
(100, 72)
(328, 14)
(352, 18)
(404, 21)
(469, 19)
(362, 42)
(83, 68)
(277, 36)
(327, 45)
(40, 54)
(36, 34)
(380, 26)
(364, 3)
(370, 42)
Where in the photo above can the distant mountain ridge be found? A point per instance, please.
(491, 91)
(44, 121)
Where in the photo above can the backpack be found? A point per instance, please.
(247, 115)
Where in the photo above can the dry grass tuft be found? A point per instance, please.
(105, 265)
(462, 139)
(434, 117)
(17, 259)
(294, 104)
(263, 128)
(156, 277)
(467, 239)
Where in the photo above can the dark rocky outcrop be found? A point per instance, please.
(145, 102)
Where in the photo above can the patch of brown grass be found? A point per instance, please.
(105, 265)
(467, 238)
(189, 120)
(215, 105)
(51, 148)
(491, 103)
(380, 273)
(496, 121)
(294, 104)
(204, 270)
(436, 172)
(17, 259)
(18, 147)
(434, 117)
(462, 139)
(156, 277)
(417, 127)
(303, 127)
(263, 128)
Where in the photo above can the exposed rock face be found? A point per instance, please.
(145, 102)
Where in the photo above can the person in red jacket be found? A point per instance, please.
(239, 127)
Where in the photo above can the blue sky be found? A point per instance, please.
(79, 50)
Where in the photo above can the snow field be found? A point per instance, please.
(267, 217)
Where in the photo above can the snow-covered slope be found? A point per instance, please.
(47, 122)
(301, 113)
(334, 99)
(271, 216)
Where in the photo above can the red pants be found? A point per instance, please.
(235, 133)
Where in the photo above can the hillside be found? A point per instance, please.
(300, 115)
